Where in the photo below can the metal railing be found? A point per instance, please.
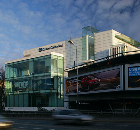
(115, 112)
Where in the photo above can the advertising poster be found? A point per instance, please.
(134, 77)
(105, 80)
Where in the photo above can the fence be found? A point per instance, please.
(115, 113)
(124, 113)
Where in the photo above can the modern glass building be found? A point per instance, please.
(88, 42)
(39, 78)
(35, 82)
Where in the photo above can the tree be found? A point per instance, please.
(2, 89)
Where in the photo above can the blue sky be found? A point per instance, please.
(26, 24)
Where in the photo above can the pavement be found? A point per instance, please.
(96, 119)
(118, 120)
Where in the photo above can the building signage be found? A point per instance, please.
(108, 80)
(134, 71)
(52, 47)
(134, 77)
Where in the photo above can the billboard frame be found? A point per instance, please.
(99, 71)
(127, 66)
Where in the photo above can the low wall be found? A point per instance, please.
(26, 114)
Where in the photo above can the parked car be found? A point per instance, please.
(5, 123)
(89, 82)
(71, 116)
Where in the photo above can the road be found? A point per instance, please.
(39, 124)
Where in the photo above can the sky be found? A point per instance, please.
(27, 24)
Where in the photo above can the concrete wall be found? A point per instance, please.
(70, 52)
(103, 41)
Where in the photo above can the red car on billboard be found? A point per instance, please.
(89, 82)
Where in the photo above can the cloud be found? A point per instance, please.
(105, 5)
(2, 62)
(8, 17)
(79, 3)
(122, 4)
(119, 15)
(34, 23)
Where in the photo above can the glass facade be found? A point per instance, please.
(36, 82)
(91, 47)
(128, 40)
(88, 42)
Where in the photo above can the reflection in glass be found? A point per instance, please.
(36, 82)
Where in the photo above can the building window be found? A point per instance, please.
(35, 82)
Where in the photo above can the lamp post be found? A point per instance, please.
(71, 42)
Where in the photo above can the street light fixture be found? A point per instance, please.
(71, 42)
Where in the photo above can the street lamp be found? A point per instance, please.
(71, 42)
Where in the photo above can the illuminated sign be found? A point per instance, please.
(134, 71)
(52, 47)
(134, 77)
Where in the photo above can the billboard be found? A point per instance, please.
(132, 72)
(97, 81)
